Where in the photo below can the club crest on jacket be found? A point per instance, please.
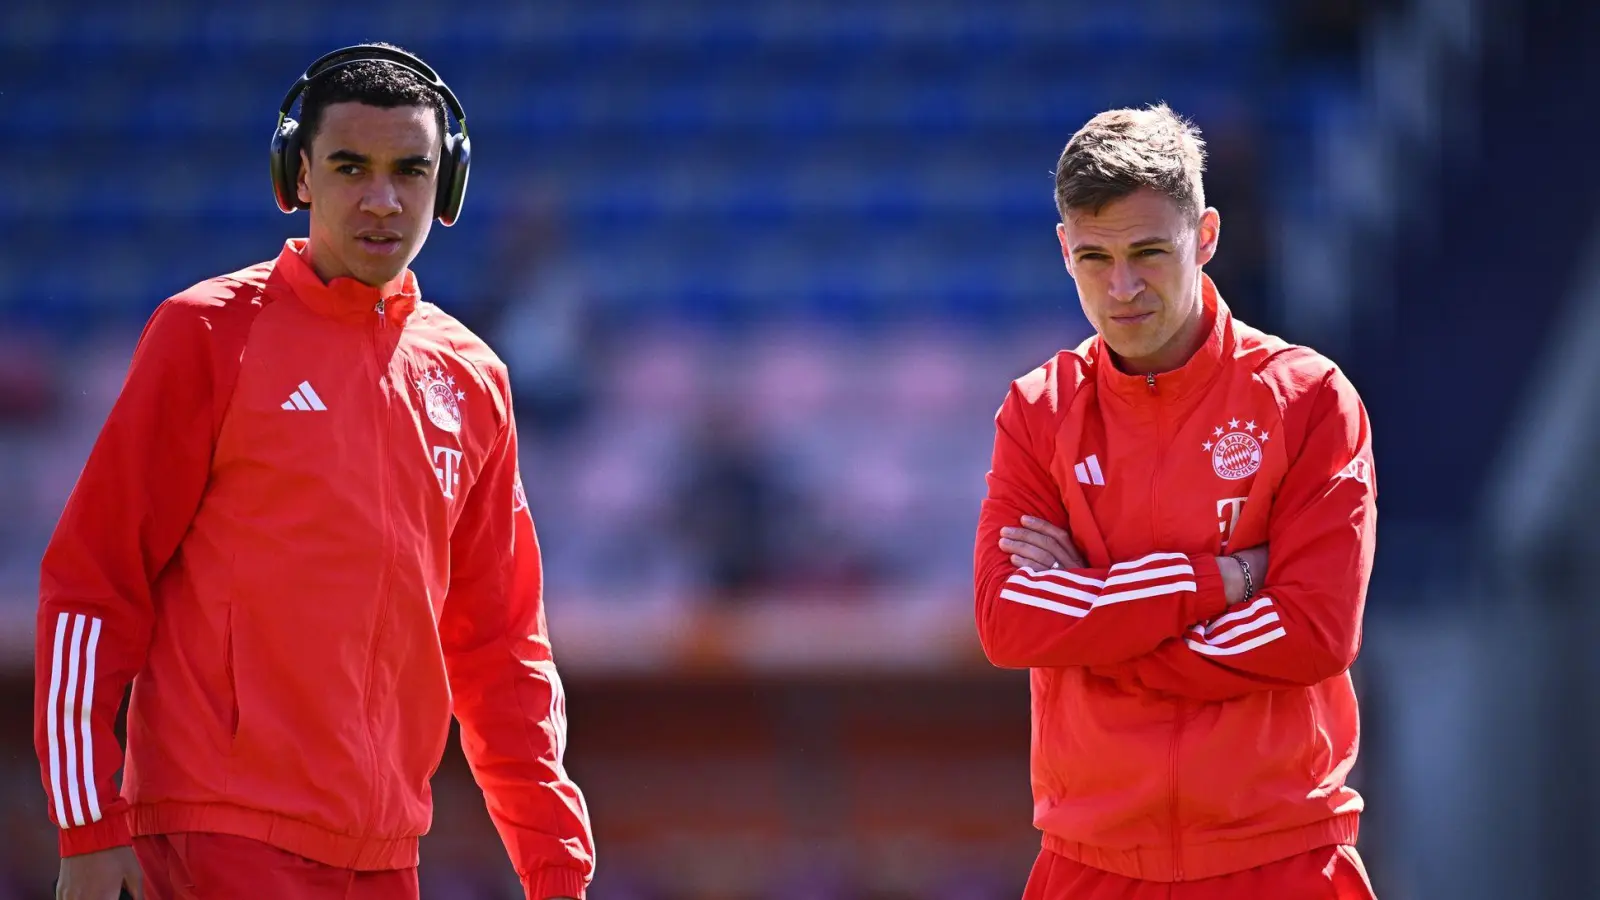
(441, 399)
(1236, 453)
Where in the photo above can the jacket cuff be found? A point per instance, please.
(1210, 597)
(111, 831)
(555, 881)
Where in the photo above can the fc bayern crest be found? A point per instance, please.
(441, 399)
(1236, 453)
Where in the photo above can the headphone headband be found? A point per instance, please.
(349, 56)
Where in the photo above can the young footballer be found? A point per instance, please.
(1176, 542)
(302, 537)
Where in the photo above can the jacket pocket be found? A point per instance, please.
(1245, 765)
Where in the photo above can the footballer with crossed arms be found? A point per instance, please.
(1176, 542)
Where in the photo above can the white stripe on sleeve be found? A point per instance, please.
(1157, 590)
(1058, 590)
(1236, 649)
(1042, 585)
(1222, 636)
(69, 707)
(1066, 609)
(1182, 568)
(1147, 560)
(1232, 617)
(51, 722)
(86, 721)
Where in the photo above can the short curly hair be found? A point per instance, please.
(1122, 150)
(370, 82)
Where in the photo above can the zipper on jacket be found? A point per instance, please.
(385, 470)
(1177, 853)
(1177, 725)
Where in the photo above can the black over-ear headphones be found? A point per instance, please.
(454, 161)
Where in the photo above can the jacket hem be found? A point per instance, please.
(301, 838)
(1210, 859)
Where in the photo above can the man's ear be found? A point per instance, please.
(1206, 235)
(1066, 252)
(302, 187)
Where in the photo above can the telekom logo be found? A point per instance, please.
(1228, 513)
(447, 465)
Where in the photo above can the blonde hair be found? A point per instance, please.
(1121, 150)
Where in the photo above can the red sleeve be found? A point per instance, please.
(1304, 624)
(132, 504)
(1029, 618)
(507, 693)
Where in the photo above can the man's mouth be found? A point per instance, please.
(379, 241)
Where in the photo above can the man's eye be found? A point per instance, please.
(1151, 251)
(349, 169)
(414, 172)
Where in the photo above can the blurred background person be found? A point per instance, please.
(540, 311)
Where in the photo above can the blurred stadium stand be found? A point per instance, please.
(762, 273)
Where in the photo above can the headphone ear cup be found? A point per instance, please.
(286, 166)
(456, 166)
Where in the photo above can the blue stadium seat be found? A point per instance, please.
(681, 138)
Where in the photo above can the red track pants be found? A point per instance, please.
(202, 866)
(1328, 873)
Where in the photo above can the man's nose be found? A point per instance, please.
(381, 199)
(1125, 283)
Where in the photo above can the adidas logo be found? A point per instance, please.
(304, 399)
(1088, 471)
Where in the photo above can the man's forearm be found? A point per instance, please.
(1059, 617)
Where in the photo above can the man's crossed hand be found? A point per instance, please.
(1040, 545)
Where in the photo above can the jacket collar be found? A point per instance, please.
(1187, 378)
(345, 299)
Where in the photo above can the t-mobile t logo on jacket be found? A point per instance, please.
(447, 465)
(1228, 514)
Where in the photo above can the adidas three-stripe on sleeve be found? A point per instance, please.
(130, 508)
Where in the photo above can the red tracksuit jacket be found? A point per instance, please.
(302, 536)
(1174, 738)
